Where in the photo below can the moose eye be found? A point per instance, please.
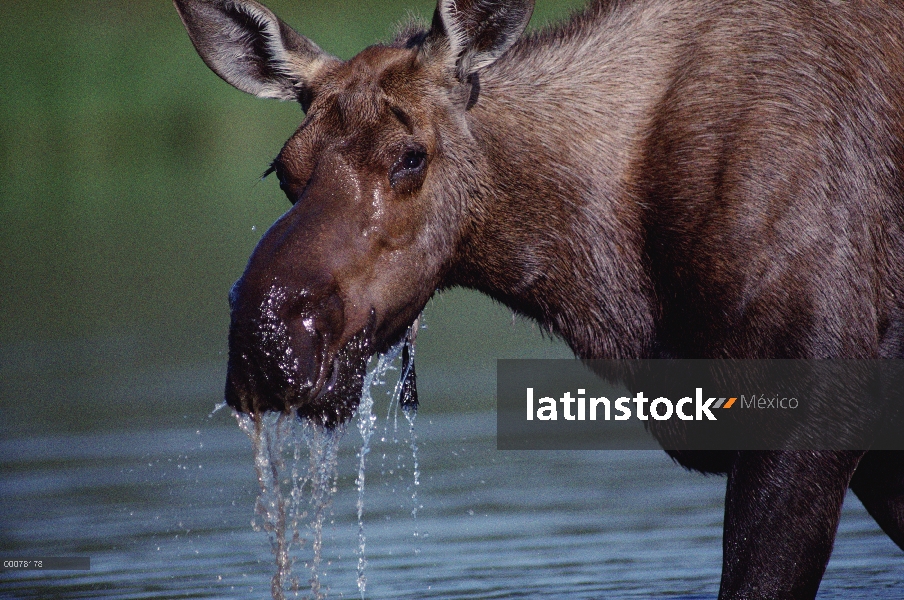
(285, 188)
(407, 173)
(413, 160)
(281, 177)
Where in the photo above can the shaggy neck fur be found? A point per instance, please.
(564, 127)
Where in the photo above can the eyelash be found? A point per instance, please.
(273, 169)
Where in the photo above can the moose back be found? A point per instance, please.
(651, 179)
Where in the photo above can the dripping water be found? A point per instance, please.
(292, 498)
(323, 450)
(410, 414)
(405, 394)
(366, 425)
(408, 401)
(281, 507)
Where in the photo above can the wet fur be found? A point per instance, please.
(653, 178)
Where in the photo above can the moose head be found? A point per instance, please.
(380, 175)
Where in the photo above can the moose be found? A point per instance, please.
(651, 179)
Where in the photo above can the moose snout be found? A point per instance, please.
(281, 350)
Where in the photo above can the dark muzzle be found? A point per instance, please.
(283, 355)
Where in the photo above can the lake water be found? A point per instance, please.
(130, 201)
(166, 513)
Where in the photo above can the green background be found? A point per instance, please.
(130, 199)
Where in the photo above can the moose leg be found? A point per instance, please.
(781, 514)
(879, 483)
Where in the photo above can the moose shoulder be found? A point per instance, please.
(654, 178)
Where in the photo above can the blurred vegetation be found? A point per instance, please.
(130, 200)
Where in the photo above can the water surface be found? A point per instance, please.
(167, 514)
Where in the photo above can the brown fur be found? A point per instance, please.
(654, 178)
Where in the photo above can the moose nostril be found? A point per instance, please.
(305, 345)
(272, 361)
(280, 343)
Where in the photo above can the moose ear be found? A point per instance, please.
(249, 47)
(477, 32)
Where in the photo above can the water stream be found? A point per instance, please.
(416, 472)
(292, 498)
